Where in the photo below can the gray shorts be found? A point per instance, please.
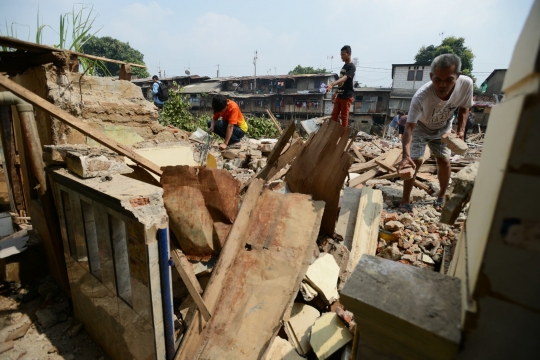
(437, 147)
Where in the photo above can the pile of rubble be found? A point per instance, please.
(37, 322)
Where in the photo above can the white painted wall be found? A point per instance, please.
(400, 77)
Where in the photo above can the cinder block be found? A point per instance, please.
(404, 312)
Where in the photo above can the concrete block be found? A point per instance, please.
(398, 307)
(328, 335)
(281, 349)
(455, 144)
(463, 184)
(95, 163)
(299, 325)
(323, 276)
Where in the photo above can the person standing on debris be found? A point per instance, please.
(344, 97)
(470, 123)
(157, 90)
(430, 117)
(232, 127)
(394, 123)
(401, 123)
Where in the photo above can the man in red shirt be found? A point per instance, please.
(232, 127)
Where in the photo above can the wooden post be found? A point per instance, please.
(8, 144)
(125, 72)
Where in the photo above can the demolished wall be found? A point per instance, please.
(116, 107)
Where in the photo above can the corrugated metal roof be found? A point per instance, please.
(277, 77)
(203, 87)
(372, 89)
(403, 93)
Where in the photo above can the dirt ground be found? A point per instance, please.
(52, 334)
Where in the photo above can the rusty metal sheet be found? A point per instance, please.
(265, 277)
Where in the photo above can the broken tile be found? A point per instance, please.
(328, 335)
(323, 275)
(299, 325)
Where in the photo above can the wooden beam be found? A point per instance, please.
(366, 231)
(37, 48)
(271, 169)
(386, 167)
(358, 153)
(274, 120)
(221, 269)
(125, 72)
(79, 125)
(185, 270)
(281, 143)
(360, 180)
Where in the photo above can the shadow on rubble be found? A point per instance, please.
(37, 322)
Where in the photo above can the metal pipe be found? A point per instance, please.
(166, 290)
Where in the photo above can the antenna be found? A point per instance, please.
(275, 70)
(441, 34)
(255, 76)
(331, 57)
(159, 69)
(217, 70)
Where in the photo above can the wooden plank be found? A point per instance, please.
(78, 124)
(358, 154)
(360, 180)
(271, 169)
(263, 282)
(321, 168)
(188, 277)
(348, 214)
(366, 231)
(386, 167)
(8, 144)
(366, 166)
(125, 72)
(281, 143)
(28, 183)
(33, 47)
(387, 176)
(221, 269)
(274, 120)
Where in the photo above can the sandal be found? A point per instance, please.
(438, 204)
(405, 208)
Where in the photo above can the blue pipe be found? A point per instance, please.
(166, 291)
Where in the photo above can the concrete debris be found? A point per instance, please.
(455, 144)
(281, 349)
(95, 163)
(459, 194)
(299, 325)
(328, 335)
(323, 276)
(307, 291)
(46, 318)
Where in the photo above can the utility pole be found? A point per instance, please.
(159, 69)
(275, 70)
(255, 76)
(442, 36)
(217, 70)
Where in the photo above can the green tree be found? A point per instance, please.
(450, 45)
(300, 70)
(111, 48)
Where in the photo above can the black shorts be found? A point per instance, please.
(401, 129)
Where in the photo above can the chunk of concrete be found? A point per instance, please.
(328, 335)
(307, 291)
(95, 163)
(454, 143)
(397, 307)
(298, 326)
(323, 276)
(281, 349)
(460, 193)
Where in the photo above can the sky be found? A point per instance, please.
(176, 36)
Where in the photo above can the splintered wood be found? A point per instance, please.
(200, 203)
(257, 290)
(320, 170)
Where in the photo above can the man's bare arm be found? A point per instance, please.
(406, 141)
(463, 115)
(228, 133)
(337, 82)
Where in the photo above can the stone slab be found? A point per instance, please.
(323, 276)
(398, 307)
(328, 335)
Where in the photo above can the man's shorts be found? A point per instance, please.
(437, 147)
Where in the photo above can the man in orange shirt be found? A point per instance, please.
(232, 127)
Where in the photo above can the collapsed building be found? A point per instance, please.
(177, 260)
